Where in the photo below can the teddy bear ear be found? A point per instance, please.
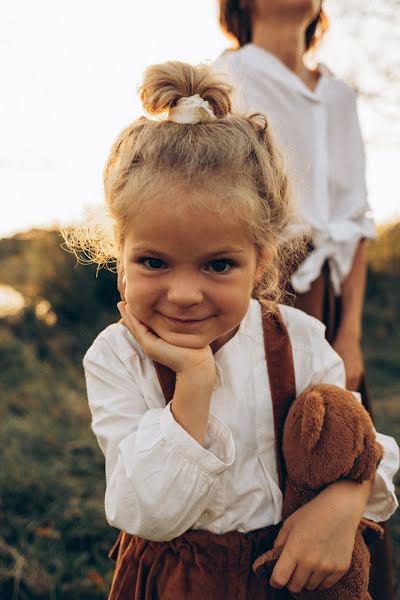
(312, 422)
(367, 462)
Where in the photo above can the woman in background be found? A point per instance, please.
(314, 117)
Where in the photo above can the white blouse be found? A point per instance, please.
(320, 135)
(160, 481)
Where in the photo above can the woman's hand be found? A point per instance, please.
(177, 358)
(318, 538)
(349, 349)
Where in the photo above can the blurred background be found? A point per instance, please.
(70, 73)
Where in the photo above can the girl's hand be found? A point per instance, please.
(177, 358)
(318, 538)
(195, 375)
(349, 349)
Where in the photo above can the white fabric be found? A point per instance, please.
(191, 110)
(160, 481)
(319, 134)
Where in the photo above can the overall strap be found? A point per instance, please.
(278, 353)
(167, 379)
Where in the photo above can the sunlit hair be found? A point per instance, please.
(231, 160)
(235, 21)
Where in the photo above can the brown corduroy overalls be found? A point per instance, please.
(200, 565)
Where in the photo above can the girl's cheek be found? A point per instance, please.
(141, 289)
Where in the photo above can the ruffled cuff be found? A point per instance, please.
(383, 502)
(219, 451)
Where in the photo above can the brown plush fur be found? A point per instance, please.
(328, 435)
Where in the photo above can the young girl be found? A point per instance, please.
(188, 393)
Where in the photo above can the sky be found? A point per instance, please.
(69, 86)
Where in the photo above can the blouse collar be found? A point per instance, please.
(270, 65)
(246, 327)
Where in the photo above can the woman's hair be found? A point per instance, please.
(235, 19)
(232, 159)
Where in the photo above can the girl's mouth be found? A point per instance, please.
(184, 323)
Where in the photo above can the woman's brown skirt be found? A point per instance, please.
(321, 303)
(164, 570)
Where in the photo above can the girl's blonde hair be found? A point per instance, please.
(233, 160)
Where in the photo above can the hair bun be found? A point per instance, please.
(164, 84)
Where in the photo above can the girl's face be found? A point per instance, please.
(189, 273)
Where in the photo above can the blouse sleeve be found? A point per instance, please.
(159, 479)
(328, 367)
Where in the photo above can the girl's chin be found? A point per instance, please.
(185, 340)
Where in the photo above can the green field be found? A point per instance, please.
(53, 534)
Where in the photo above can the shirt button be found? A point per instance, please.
(206, 516)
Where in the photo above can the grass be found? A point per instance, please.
(54, 538)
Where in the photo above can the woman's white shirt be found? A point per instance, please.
(160, 481)
(319, 134)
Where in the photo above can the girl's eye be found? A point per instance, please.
(153, 263)
(221, 265)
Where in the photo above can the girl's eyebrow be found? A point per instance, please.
(139, 249)
(148, 250)
(225, 251)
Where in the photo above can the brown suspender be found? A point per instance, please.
(278, 353)
(167, 379)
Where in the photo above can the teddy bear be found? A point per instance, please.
(328, 435)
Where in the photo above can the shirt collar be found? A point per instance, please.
(245, 327)
(268, 64)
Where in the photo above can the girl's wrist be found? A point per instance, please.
(190, 406)
(355, 494)
(201, 377)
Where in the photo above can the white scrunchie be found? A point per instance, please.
(191, 110)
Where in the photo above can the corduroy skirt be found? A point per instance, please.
(197, 565)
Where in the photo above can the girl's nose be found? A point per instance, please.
(184, 292)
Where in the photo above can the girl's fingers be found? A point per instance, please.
(330, 580)
(283, 571)
(138, 329)
(282, 537)
(156, 348)
(176, 358)
(314, 581)
(121, 306)
(299, 578)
